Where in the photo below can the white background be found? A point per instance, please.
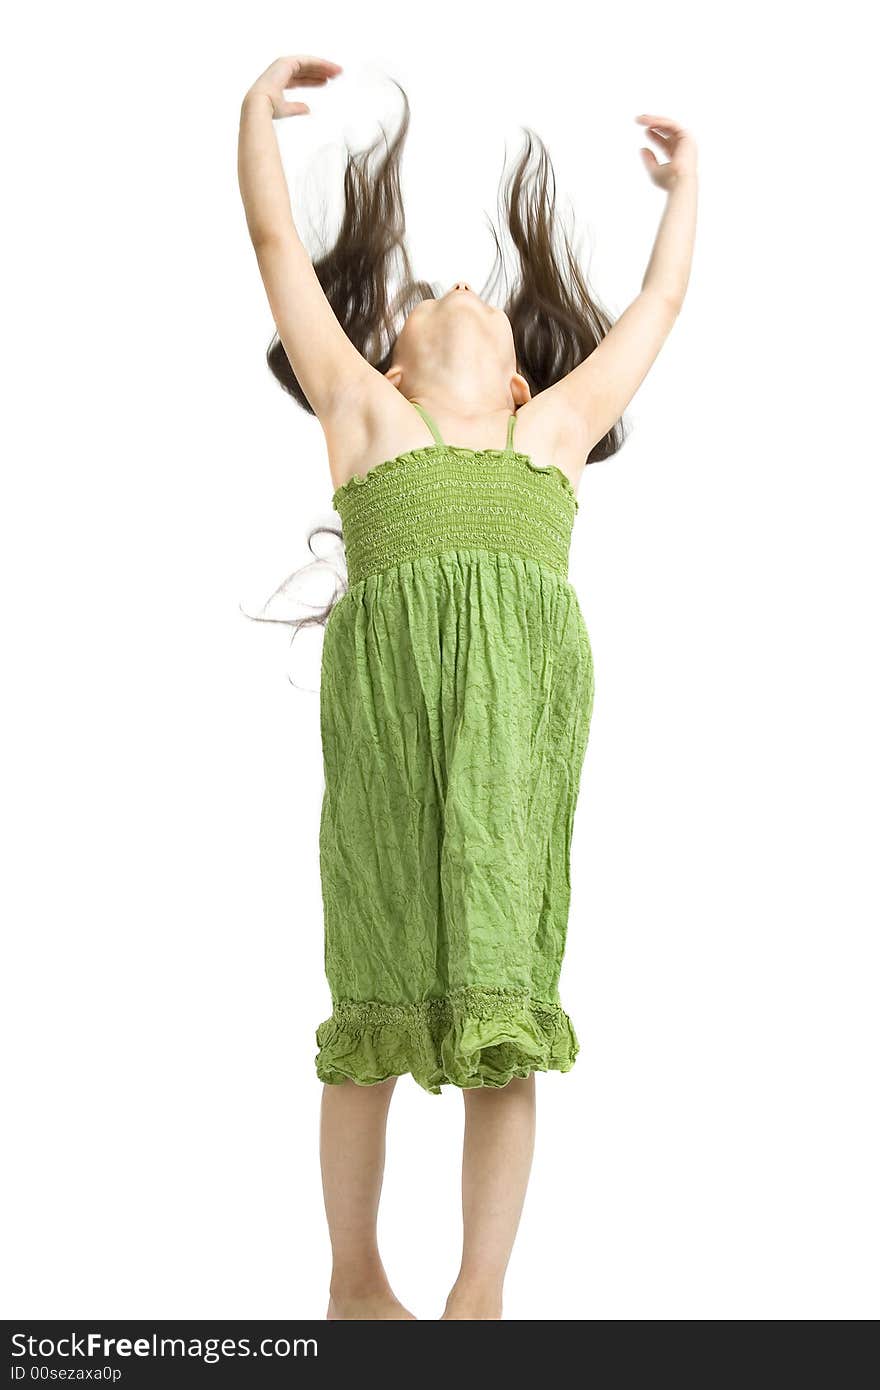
(713, 1154)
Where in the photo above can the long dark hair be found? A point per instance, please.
(368, 281)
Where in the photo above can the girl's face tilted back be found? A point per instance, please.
(459, 344)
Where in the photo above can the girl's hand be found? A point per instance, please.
(284, 73)
(676, 143)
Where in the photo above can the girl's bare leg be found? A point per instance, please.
(352, 1162)
(499, 1141)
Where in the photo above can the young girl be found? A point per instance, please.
(457, 676)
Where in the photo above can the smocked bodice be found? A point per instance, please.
(445, 498)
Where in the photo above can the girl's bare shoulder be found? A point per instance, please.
(371, 422)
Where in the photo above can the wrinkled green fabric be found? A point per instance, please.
(456, 697)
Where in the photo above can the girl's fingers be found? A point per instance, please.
(665, 142)
(662, 123)
(306, 65)
(293, 108)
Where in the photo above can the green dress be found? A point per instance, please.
(456, 696)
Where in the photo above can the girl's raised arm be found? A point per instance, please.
(595, 394)
(322, 357)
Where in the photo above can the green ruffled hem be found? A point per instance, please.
(472, 1037)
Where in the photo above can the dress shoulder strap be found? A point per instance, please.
(429, 421)
(438, 438)
(511, 426)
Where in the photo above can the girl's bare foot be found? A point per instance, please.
(376, 1307)
(472, 1305)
